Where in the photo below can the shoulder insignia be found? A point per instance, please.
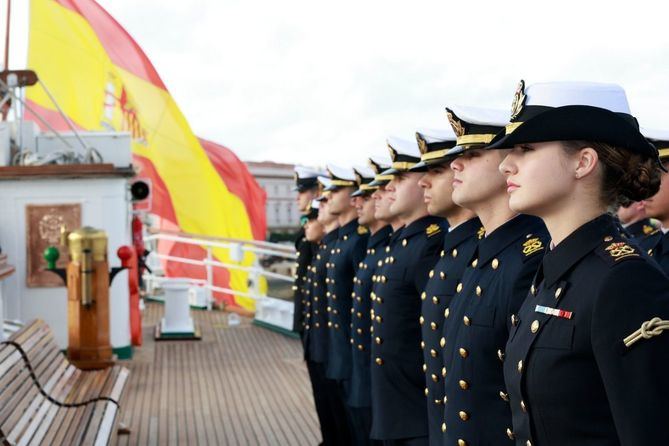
(649, 329)
(481, 233)
(362, 230)
(532, 245)
(621, 250)
(647, 229)
(432, 230)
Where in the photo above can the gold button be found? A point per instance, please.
(424, 367)
(459, 288)
(421, 320)
(467, 321)
(558, 292)
(433, 353)
(423, 295)
(379, 361)
(443, 373)
(392, 259)
(504, 396)
(404, 243)
(441, 254)
(523, 407)
(433, 326)
(514, 320)
(478, 290)
(378, 340)
(442, 342)
(464, 416)
(379, 319)
(387, 248)
(509, 433)
(462, 442)
(442, 275)
(427, 391)
(435, 300)
(435, 378)
(535, 326)
(329, 324)
(359, 331)
(500, 355)
(533, 290)
(608, 238)
(495, 263)
(445, 399)
(475, 262)
(520, 366)
(360, 347)
(443, 427)
(447, 311)
(431, 275)
(422, 344)
(454, 253)
(464, 353)
(528, 443)
(464, 385)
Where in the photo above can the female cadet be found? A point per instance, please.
(586, 359)
(493, 286)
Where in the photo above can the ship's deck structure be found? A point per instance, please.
(239, 385)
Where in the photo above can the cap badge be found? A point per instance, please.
(620, 250)
(518, 100)
(532, 245)
(458, 128)
(422, 144)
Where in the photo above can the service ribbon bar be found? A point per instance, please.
(554, 312)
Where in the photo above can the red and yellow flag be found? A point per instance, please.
(103, 80)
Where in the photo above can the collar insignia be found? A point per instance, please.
(518, 100)
(532, 245)
(647, 229)
(432, 230)
(620, 250)
(481, 233)
(362, 230)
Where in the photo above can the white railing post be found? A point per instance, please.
(210, 278)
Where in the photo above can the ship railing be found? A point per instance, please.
(270, 311)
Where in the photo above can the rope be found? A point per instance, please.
(43, 392)
(653, 327)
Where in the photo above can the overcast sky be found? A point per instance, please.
(312, 82)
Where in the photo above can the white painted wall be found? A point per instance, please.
(104, 205)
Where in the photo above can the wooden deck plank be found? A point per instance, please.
(239, 385)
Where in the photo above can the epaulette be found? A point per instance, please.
(481, 233)
(614, 251)
(531, 246)
(432, 230)
(362, 230)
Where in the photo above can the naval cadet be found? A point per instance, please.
(331, 410)
(586, 356)
(398, 405)
(359, 397)
(656, 243)
(459, 242)
(493, 285)
(306, 186)
(345, 256)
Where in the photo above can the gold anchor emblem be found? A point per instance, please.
(458, 128)
(518, 100)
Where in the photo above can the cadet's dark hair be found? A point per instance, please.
(628, 176)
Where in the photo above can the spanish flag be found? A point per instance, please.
(102, 80)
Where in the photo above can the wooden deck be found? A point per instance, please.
(241, 385)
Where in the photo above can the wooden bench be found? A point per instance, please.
(46, 400)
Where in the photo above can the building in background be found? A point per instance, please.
(283, 216)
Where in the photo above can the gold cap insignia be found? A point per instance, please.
(458, 128)
(432, 230)
(518, 100)
(358, 177)
(532, 245)
(375, 167)
(393, 153)
(422, 144)
(620, 250)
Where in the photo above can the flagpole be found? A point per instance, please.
(9, 9)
